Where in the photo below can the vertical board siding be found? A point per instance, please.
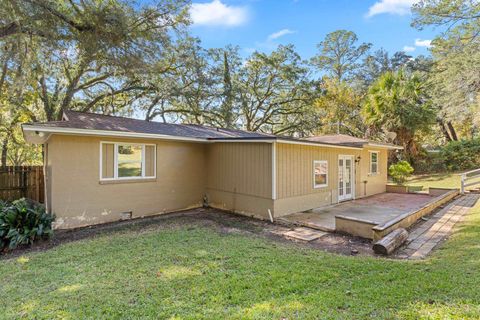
(295, 170)
(243, 168)
(375, 183)
(22, 182)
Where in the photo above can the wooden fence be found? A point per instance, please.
(25, 181)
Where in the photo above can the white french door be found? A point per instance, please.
(346, 177)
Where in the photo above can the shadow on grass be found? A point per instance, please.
(432, 177)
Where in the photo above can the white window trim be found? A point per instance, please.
(115, 161)
(317, 186)
(353, 177)
(370, 164)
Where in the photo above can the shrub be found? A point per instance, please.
(400, 171)
(430, 162)
(22, 221)
(462, 155)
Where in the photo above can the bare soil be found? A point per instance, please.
(219, 221)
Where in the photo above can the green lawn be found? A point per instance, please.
(190, 271)
(438, 180)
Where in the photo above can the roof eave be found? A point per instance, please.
(39, 134)
(318, 144)
(385, 146)
(40, 131)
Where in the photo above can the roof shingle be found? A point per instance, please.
(93, 121)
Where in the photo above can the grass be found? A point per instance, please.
(195, 272)
(438, 180)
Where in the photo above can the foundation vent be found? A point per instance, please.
(126, 215)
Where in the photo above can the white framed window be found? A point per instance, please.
(374, 162)
(126, 161)
(320, 173)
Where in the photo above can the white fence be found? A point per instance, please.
(469, 179)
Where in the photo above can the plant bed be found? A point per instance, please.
(22, 222)
(395, 188)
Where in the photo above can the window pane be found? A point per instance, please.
(374, 162)
(108, 155)
(129, 161)
(149, 161)
(321, 171)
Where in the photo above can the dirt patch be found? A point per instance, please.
(221, 222)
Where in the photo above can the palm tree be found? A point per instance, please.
(397, 102)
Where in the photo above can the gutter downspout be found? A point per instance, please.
(274, 180)
(46, 177)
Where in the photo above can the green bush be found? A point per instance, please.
(429, 162)
(22, 221)
(462, 155)
(400, 171)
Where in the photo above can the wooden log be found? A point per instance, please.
(390, 242)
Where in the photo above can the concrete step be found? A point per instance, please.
(294, 223)
(474, 191)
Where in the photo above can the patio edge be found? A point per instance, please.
(407, 219)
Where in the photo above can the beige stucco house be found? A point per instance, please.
(103, 168)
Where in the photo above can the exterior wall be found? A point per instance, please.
(294, 167)
(295, 191)
(376, 183)
(234, 176)
(78, 198)
(240, 177)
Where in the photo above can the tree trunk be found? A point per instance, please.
(4, 153)
(444, 129)
(227, 107)
(453, 133)
(390, 242)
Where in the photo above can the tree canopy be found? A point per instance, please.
(339, 54)
(397, 102)
(137, 58)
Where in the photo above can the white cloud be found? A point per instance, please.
(216, 13)
(418, 43)
(423, 43)
(279, 34)
(400, 7)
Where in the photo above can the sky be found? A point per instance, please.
(264, 24)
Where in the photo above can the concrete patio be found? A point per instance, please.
(376, 209)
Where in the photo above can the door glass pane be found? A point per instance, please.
(348, 176)
(340, 177)
(129, 161)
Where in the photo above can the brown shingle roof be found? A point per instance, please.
(93, 121)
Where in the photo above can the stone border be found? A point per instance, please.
(354, 226)
(396, 188)
(407, 219)
(375, 231)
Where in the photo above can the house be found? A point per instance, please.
(103, 168)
